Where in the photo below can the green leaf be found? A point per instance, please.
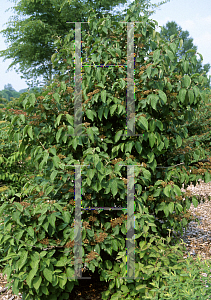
(179, 206)
(128, 146)
(45, 159)
(187, 81)
(162, 95)
(58, 134)
(118, 135)
(53, 151)
(114, 244)
(106, 110)
(36, 282)
(156, 55)
(196, 91)
(138, 147)
(177, 190)
(91, 173)
(30, 231)
(15, 286)
(89, 114)
(181, 43)
(25, 129)
(100, 85)
(191, 96)
(151, 157)
(140, 287)
(170, 55)
(32, 273)
(56, 97)
(118, 51)
(207, 177)
(63, 86)
(120, 109)
(52, 220)
(100, 112)
(195, 201)
(95, 159)
(112, 109)
(19, 206)
(53, 175)
(32, 99)
(122, 83)
(144, 123)
(88, 181)
(151, 139)
(53, 57)
(22, 117)
(49, 189)
(62, 280)
(149, 69)
(11, 255)
(103, 96)
(166, 210)
(182, 94)
(105, 29)
(186, 66)
(16, 216)
(196, 154)
(48, 274)
(58, 120)
(153, 100)
(200, 55)
(173, 47)
(179, 141)
(171, 207)
(113, 185)
(70, 273)
(61, 262)
(23, 258)
(75, 142)
(125, 289)
(45, 226)
(98, 74)
(112, 51)
(108, 264)
(44, 290)
(115, 83)
(70, 119)
(169, 86)
(17, 137)
(66, 216)
(14, 119)
(56, 161)
(167, 190)
(58, 207)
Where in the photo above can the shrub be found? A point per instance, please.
(46, 216)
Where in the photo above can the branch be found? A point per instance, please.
(41, 144)
(203, 160)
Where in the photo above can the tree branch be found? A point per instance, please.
(203, 160)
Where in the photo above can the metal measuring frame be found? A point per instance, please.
(130, 242)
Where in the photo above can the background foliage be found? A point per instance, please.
(35, 25)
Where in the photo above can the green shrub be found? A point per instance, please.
(47, 214)
(12, 162)
(187, 284)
